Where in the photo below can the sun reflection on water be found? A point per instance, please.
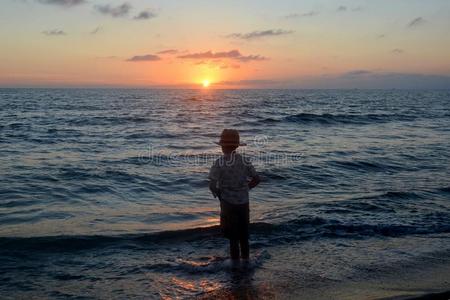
(182, 287)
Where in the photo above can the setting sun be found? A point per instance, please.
(206, 83)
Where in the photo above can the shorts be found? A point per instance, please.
(234, 220)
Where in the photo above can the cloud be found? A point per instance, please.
(66, 3)
(343, 8)
(367, 79)
(307, 14)
(168, 51)
(256, 83)
(217, 63)
(114, 11)
(410, 80)
(233, 54)
(54, 32)
(145, 15)
(252, 57)
(397, 51)
(147, 57)
(259, 34)
(96, 30)
(357, 73)
(416, 22)
(108, 57)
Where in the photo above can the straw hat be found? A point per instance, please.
(230, 137)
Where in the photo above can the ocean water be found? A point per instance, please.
(104, 192)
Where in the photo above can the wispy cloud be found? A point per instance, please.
(168, 51)
(362, 79)
(114, 11)
(147, 57)
(343, 8)
(397, 51)
(233, 54)
(249, 82)
(145, 15)
(54, 32)
(217, 63)
(259, 34)
(416, 22)
(66, 3)
(251, 58)
(302, 15)
(96, 30)
(357, 73)
(380, 79)
(108, 57)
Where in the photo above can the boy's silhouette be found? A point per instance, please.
(231, 177)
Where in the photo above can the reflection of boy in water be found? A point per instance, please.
(231, 177)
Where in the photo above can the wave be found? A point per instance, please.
(361, 165)
(72, 243)
(262, 234)
(105, 120)
(393, 195)
(151, 135)
(384, 202)
(212, 264)
(333, 119)
(445, 189)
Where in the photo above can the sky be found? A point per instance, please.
(228, 44)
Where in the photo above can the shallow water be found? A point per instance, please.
(103, 188)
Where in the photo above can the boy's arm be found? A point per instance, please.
(255, 179)
(213, 187)
(214, 175)
(254, 182)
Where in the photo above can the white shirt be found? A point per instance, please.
(232, 173)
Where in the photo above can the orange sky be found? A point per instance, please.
(232, 44)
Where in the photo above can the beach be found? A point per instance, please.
(416, 282)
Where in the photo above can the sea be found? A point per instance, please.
(104, 192)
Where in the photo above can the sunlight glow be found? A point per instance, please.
(206, 83)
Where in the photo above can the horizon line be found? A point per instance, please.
(212, 88)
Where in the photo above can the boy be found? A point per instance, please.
(229, 181)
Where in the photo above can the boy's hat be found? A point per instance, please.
(230, 137)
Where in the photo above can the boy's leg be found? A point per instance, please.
(234, 249)
(244, 248)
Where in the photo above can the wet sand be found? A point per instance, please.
(427, 280)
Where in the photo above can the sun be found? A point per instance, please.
(206, 83)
